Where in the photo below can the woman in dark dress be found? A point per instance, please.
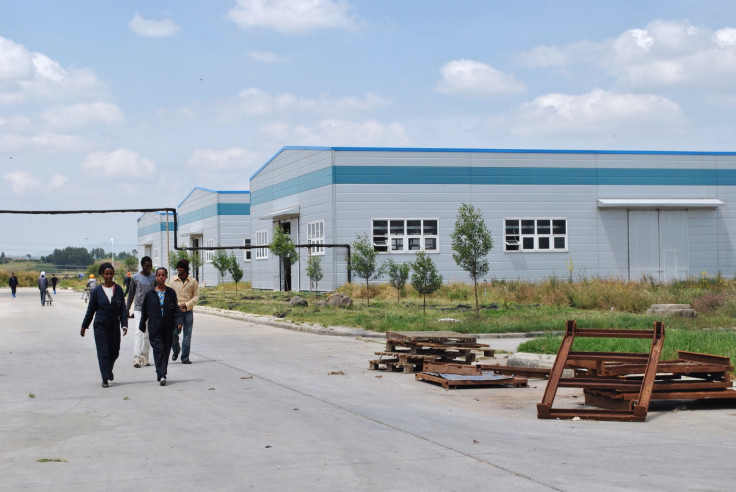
(107, 305)
(161, 310)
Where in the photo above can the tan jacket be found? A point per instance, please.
(186, 292)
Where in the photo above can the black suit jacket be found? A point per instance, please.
(151, 312)
(109, 315)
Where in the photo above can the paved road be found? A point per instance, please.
(260, 408)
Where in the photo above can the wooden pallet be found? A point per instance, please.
(394, 365)
(464, 381)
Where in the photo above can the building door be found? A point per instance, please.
(286, 266)
(195, 244)
(658, 245)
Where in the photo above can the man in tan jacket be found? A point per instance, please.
(187, 294)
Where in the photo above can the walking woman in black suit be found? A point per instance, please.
(107, 305)
(161, 310)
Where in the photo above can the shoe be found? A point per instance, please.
(112, 376)
(162, 382)
(186, 361)
(136, 362)
(146, 362)
(175, 356)
(104, 384)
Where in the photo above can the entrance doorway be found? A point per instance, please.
(658, 245)
(286, 266)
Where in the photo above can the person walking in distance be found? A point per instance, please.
(187, 293)
(107, 305)
(43, 284)
(54, 281)
(161, 310)
(126, 283)
(141, 283)
(13, 283)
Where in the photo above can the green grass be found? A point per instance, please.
(708, 341)
(521, 307)
(51, 460)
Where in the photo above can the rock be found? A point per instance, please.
(298, 301)
(321, 304)
(449, 320)
(682, 310)
(339, 300)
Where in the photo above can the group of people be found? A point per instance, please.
(161, 310)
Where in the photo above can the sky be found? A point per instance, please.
(132, 104)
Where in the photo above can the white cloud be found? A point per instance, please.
(337, 132)
(21, 182)
(43, 141)
(78, 115)
(28, 75)
(233, 158)
(595, 113)
(475, 78)
(293, 16)
(57, 181)
(120, 164)
(153, 28)
(268, 57)
(664, 54)
(256, 101)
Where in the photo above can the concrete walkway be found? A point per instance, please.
(263, 408)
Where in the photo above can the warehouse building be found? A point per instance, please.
(610, 214)
(210, 218)
(155, 237)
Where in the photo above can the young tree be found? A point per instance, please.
(174, 257)
(363, 261)
(398, 275)
(221, 262)
(283, 247)
(425, 278)
(131, 263)
(235, 271)
(314, 272)
(471, 243)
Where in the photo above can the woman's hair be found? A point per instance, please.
(105, 266)
(164, 269)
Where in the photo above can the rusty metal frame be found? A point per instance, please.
(637, 412)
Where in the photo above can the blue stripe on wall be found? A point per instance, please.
(144, 231)
(233, 209)
(309, 181)
(494, 176)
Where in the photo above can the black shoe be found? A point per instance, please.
(162, 382)
(175, 356)
(104, 384)
(186, 361)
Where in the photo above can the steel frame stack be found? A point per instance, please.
(641, 389)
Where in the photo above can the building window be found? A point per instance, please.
(208, 255)
(156, 258)
(535, 235)
(316, 235)
(246, 252)
(261, 240)
(402, 235)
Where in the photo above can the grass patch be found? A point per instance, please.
(517, 307)
(709, 341)
(51, 460)
(31, 395)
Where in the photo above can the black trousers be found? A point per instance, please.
(107, 342)
(161, 341)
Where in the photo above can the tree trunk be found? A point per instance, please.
(367, 293)
(475, 286)
(424, 307)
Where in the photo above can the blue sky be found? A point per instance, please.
(132, 104)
